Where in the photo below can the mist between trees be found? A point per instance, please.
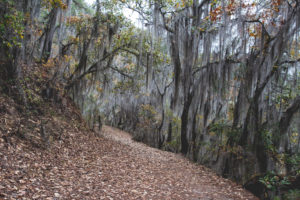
(216, 80)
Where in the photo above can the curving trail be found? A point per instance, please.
(149, 173)
(84, 166)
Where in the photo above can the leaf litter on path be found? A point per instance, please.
(112, 166)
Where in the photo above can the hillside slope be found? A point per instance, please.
(50, 154)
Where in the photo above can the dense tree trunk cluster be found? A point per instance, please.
(233, 101)
(217, 81)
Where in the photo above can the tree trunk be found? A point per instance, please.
(49, 33)
(184, 124)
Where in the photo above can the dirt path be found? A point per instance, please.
(83, 166)
(150, 173)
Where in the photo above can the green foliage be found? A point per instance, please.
(176, 133)
(149, 119)
(267, 138)
(33, 98)
(176, 125)
(125, 86)
(283, 99)
(112, 6)
(234, 135)
(292, 195)
(56, 3)
(148, 113)
(159, 54)
(288, 88)
(125, 36)
(294, 137)
(276, 198)
(174, 145)
(80, 7)
(223, 128)
(272, 181)
(293, 161)
(220, 126)
(11, 25)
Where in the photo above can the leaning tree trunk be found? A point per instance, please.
(49, 33)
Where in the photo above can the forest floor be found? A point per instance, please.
(150, 173)
(109, 167)
(76, 163)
